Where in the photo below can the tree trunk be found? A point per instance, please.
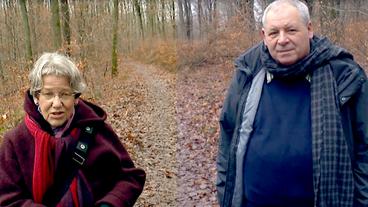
(151, 16)
(81, 28)
(214, 13)
(138, 8)
(163, 18)
(33, 9)
(66, 26)
(56, 24)
(310, 4)
(11, 28)
(181, 19)
(27, 31)
(200, 13)
(114, 64)
(2, 77)
(173, 20)
(188, 19)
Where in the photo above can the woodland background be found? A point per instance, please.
(170, 34)
(125, 48)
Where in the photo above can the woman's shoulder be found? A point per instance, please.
(87, 112)
(18, 137)
(17, 132)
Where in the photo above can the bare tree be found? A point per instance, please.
(11, 28)
(211, 10)
(181, 18)
(310, 4)
(200, 18)
(188, 19)
(172, 17)
(56, 27)
(163, 18)
(151, 13)
(2, 77)
(138, 9)
(27, 31)
(246, 10)
(66, 25)
(331, 23)
(114, 58)
(32, 11)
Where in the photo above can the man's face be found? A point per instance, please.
(286, 35)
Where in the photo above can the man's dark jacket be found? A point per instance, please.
(109, 173)
(353, 99)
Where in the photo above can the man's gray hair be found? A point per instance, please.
(300, 6)
(59, 65)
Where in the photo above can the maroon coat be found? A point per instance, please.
(109, 173)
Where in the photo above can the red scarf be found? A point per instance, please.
(44, 163)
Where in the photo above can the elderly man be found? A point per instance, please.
(294, 130)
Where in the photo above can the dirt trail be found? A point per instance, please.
(144, 117)
(168, 123)
(161, 137)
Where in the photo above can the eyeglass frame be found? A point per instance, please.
(63, 96)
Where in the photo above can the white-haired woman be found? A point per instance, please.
(63, 153)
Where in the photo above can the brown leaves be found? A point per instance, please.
(3, 118)
(168, 173)
(200, 95)
(143, 114)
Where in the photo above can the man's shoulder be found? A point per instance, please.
(250, 55)
(249, 62)
(349, 76)
(345, 66)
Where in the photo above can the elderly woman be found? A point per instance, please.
(63, 153)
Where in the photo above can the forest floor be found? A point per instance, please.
(169, 124)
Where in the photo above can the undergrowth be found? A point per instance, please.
(162, 53)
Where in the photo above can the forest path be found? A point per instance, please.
(144, 117)
(160, 137)
(168, 123)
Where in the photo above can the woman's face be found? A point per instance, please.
(56, 100)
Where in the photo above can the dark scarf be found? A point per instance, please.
(332, 169)
(44, 166)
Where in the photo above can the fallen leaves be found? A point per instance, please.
(169, 125)
(3, 118)
(144, 118)
(201, 94)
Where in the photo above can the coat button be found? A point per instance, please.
(82, 146)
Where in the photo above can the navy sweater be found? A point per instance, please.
(278, 162)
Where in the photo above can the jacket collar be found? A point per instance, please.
(321, 52)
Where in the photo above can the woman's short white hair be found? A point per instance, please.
(55, 64)
(300, 6)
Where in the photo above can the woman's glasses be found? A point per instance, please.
(63, 96)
